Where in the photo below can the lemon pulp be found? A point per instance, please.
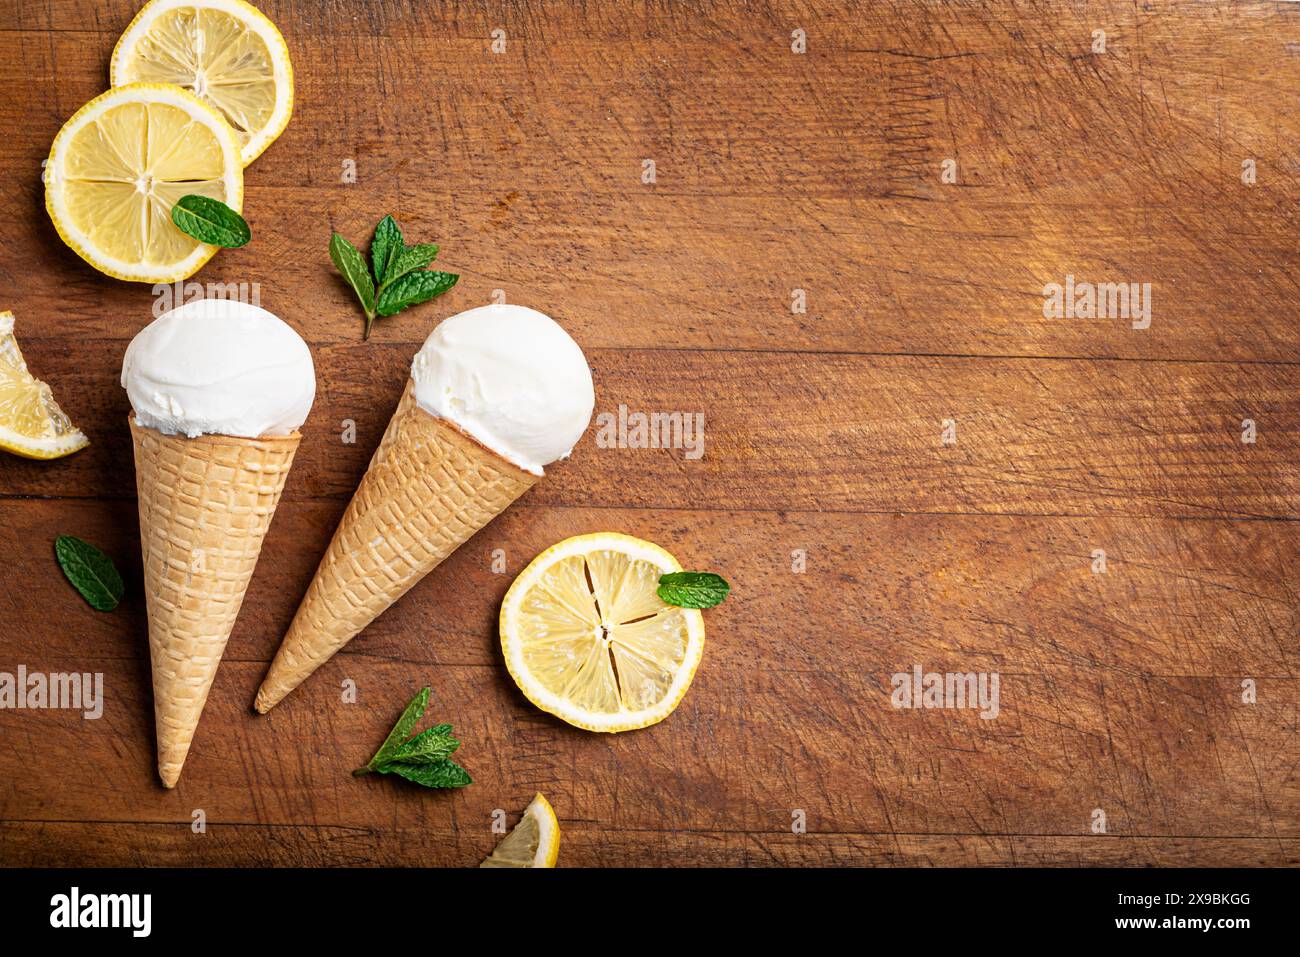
(31, 423)
(534, 842)
(225, 52)
(119, 166)
(588, 639)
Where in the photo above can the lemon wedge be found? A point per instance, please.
(587, 638)
(226, 52)
(31, 423)
(118, 167)
(535, 841)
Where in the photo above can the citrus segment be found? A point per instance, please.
(587, 638)
(31, 423)
(224, 51)
(534, 842)
(120, 164)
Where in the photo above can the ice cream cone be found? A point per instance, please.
(429, 487)
(205, 506)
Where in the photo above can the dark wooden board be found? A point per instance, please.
(775, 172)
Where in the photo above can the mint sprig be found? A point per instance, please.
(90, 571)
(436, 774)
(210, 221)
(693, 589)
(396, 276)
(424, 758)
(350, 262)
(385, 246)
(411, 290)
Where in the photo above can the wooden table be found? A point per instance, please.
(775, 171)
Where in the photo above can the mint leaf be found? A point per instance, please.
(385, 248)
(413, 289)
(424, 758)
(692, 589)
(440, 774)
(426, 747)
(395, 277)
(411, 714)
(90, 571)
(210, 221)
(354, 270)
(408, 260)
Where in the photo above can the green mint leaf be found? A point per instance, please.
(692, 589)
(210, 221)
(395, 277)
(401, 731)
(440, 774)
(355, 271)
(90, 571)
(426, 747)
(385, 248)
(413, 289)
(408, 260)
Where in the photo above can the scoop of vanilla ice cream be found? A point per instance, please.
(511, 378)
(218, 366)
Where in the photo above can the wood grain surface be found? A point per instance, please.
(775, 172)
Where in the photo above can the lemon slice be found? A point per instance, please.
(118, 167)
(225, 52)
(31, 423)
(535, 841)
(587, 638)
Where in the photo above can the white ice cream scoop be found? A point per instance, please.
(219, 366)
(511, 378)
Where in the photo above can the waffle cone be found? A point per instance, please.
(205, 506)
(429, 488)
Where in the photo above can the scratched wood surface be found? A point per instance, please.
(776, 171)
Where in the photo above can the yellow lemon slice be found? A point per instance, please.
(120, 164)
(535, 841)
(587, 638)
(225, 52)
(31, 423)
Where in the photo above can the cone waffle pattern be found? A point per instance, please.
(429, 488)
(205, 506)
